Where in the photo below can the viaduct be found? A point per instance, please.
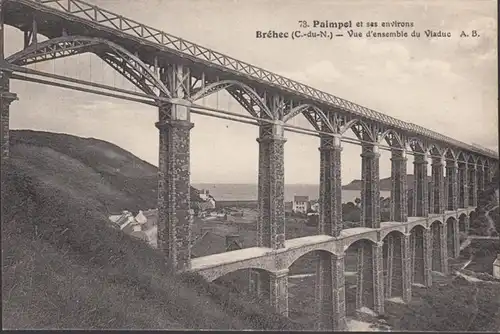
(172, 74)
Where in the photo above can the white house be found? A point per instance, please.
(207, 198)
(496, 267)
(300, 204)
(143, 226)
(122, 220)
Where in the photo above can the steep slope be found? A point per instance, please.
(453, 303)
(487, 221)
(64, 267)
(96, 168)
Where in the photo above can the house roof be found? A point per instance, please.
(301, 198)
(210, 243)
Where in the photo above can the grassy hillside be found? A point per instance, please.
(97, 169)
(451, 304)
(63, 267)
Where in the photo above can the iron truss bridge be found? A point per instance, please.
(154, 48)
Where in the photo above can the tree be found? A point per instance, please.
(357, 201)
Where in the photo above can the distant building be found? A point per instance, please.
(314, 206)
(385, 203)
(300, 204)
(143, 226)
(123, 220)
(496, 267)
(207, 198)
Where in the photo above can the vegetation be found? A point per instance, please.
(455, 305)
(487, 221)
(64, 267)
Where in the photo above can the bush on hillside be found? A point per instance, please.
(440, 310)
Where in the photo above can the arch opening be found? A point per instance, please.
(417, 255)
(451, 232)
(309, 285)
(473, 223)
(359, 273)
(242, 281)
(393, 265)
(462, 226)
(438, 246)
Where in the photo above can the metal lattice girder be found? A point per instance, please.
(392, 138)
(250, 100)
(52, 49)
(361, 129)
(313, 114)
(104, 20)
(244, 94)
(119, 58)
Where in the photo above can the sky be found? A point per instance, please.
(448, 85)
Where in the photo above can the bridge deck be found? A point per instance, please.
(251, 253)
(80, 18)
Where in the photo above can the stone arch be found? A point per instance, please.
(397, 228)
(350, 242)
(393, 264)
(451, 236)
(293, 256)
(134, 69)
(397, 141)
(261, 264)
(226, 84)
(417, 245)
(350, 124)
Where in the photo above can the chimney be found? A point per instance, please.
(230, 239)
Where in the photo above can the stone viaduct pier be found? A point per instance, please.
(173, 74)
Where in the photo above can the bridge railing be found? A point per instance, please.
(109, 19)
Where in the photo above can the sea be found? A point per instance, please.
(248, 192)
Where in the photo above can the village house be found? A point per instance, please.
(314, 205)
(207, 198)
(496, 267)
(143, 226)
(300, 204)
(207, 204)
